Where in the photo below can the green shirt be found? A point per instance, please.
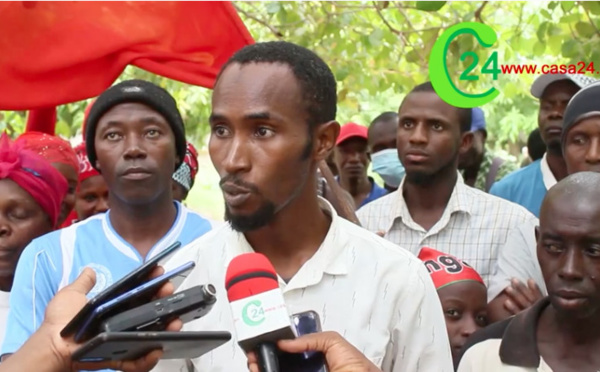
(505, 168)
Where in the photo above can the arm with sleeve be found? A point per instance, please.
(35, 284)
(517, 259)
(419, 340)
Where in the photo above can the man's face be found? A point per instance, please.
(582, 146)
(135, 147)
(352, 158)
(92, 197)
(568, 249)
(260, 142)
(470, 157)
(382, 135)
(429, 138)
(552, 108)
(21, 220)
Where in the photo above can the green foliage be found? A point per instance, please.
(379, 51)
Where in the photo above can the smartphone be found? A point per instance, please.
(129, 281)
(193, 303)
(310, 361)
(132, 345)
(128, 300)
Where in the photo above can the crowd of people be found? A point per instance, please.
(459, 260)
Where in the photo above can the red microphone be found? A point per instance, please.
(260, 316)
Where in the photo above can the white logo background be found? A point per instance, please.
(103, 278)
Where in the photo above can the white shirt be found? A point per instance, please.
(547, 175)
(474, 226)
(377, 296)
(484, 356)
(4, 305)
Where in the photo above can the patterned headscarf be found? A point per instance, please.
(52, 148)
(186, 173)
(33, 174)
(85, 167)
(446, 269)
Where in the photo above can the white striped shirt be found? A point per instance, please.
(474, 226)
(376, 295)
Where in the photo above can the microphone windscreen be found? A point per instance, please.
(249, 274)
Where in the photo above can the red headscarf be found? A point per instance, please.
(33, 174)
(85, 167)
(52, 148)
(446, 269)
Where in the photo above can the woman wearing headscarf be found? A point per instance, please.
(61, 155)
(183, 178)
(31, 193)
(91, 197)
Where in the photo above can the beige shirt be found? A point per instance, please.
(378, 296)
(485, 357)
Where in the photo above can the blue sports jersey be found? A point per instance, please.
(54, 260)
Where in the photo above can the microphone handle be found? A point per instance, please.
(266, 354)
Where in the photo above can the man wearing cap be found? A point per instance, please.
(480, 167)
(183, 178)
(581, 148)
(351, 156)
(135, 137)
(527, 186)
(382, 147)
(560, 332)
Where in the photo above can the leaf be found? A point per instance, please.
(570, 18)
(570, 48)
(538, 48)
(430, 6)
(584, 29)
(541, 31)
(545, 13)
(273, 7)
(554, 30)
(591, 6)
(413, 57)
(567, 5)
(555, 43)
(375, 37)
(552, 5)
(341, 74)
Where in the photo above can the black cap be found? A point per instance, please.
(138, 91)
(583, 104)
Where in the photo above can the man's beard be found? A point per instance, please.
(421, 178)
(261, 218)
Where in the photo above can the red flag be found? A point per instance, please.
(54, 53)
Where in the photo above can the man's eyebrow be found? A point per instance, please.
(215, 117)
(258, 116)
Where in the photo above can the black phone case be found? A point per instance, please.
(188, 305)
(132, 345)
(92, 325)
(125, 284)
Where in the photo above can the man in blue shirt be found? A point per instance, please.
(351, 156)
(135, 137)
(528, 186)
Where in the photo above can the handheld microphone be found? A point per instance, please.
(260, 316)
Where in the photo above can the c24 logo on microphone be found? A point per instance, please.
(253, 313)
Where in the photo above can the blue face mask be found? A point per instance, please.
(387, 164)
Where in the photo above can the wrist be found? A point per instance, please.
(56, 348)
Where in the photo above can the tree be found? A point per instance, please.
(379, 51)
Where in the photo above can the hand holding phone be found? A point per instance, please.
(310, 361)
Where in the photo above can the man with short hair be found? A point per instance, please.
(517, 282)
(351, 156)
(527, 186)
(135, 137)
(561, 332)
(382, 147)
(272, 122)
(481, 168)
(433, 207)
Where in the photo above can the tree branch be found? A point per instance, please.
(587, 13)
(478, 12)
(275, 31)
(384, 20)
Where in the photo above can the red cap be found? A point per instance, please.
(446, 269)
(350, 130)
(249, 274)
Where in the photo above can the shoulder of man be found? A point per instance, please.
(492, 331)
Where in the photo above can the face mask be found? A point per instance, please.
(387, 164)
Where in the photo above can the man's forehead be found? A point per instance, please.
(426, 104)
(129, 111)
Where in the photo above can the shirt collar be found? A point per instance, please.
(547, 175)
(459, 202)
(331, 257)
(519, 342)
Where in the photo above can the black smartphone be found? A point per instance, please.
(128, 282)
(310, 361)
(193, 303)
(129, 300)
(133, 345)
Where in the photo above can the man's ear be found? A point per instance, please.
(537, 234)
(324, 139)
(466, 142)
